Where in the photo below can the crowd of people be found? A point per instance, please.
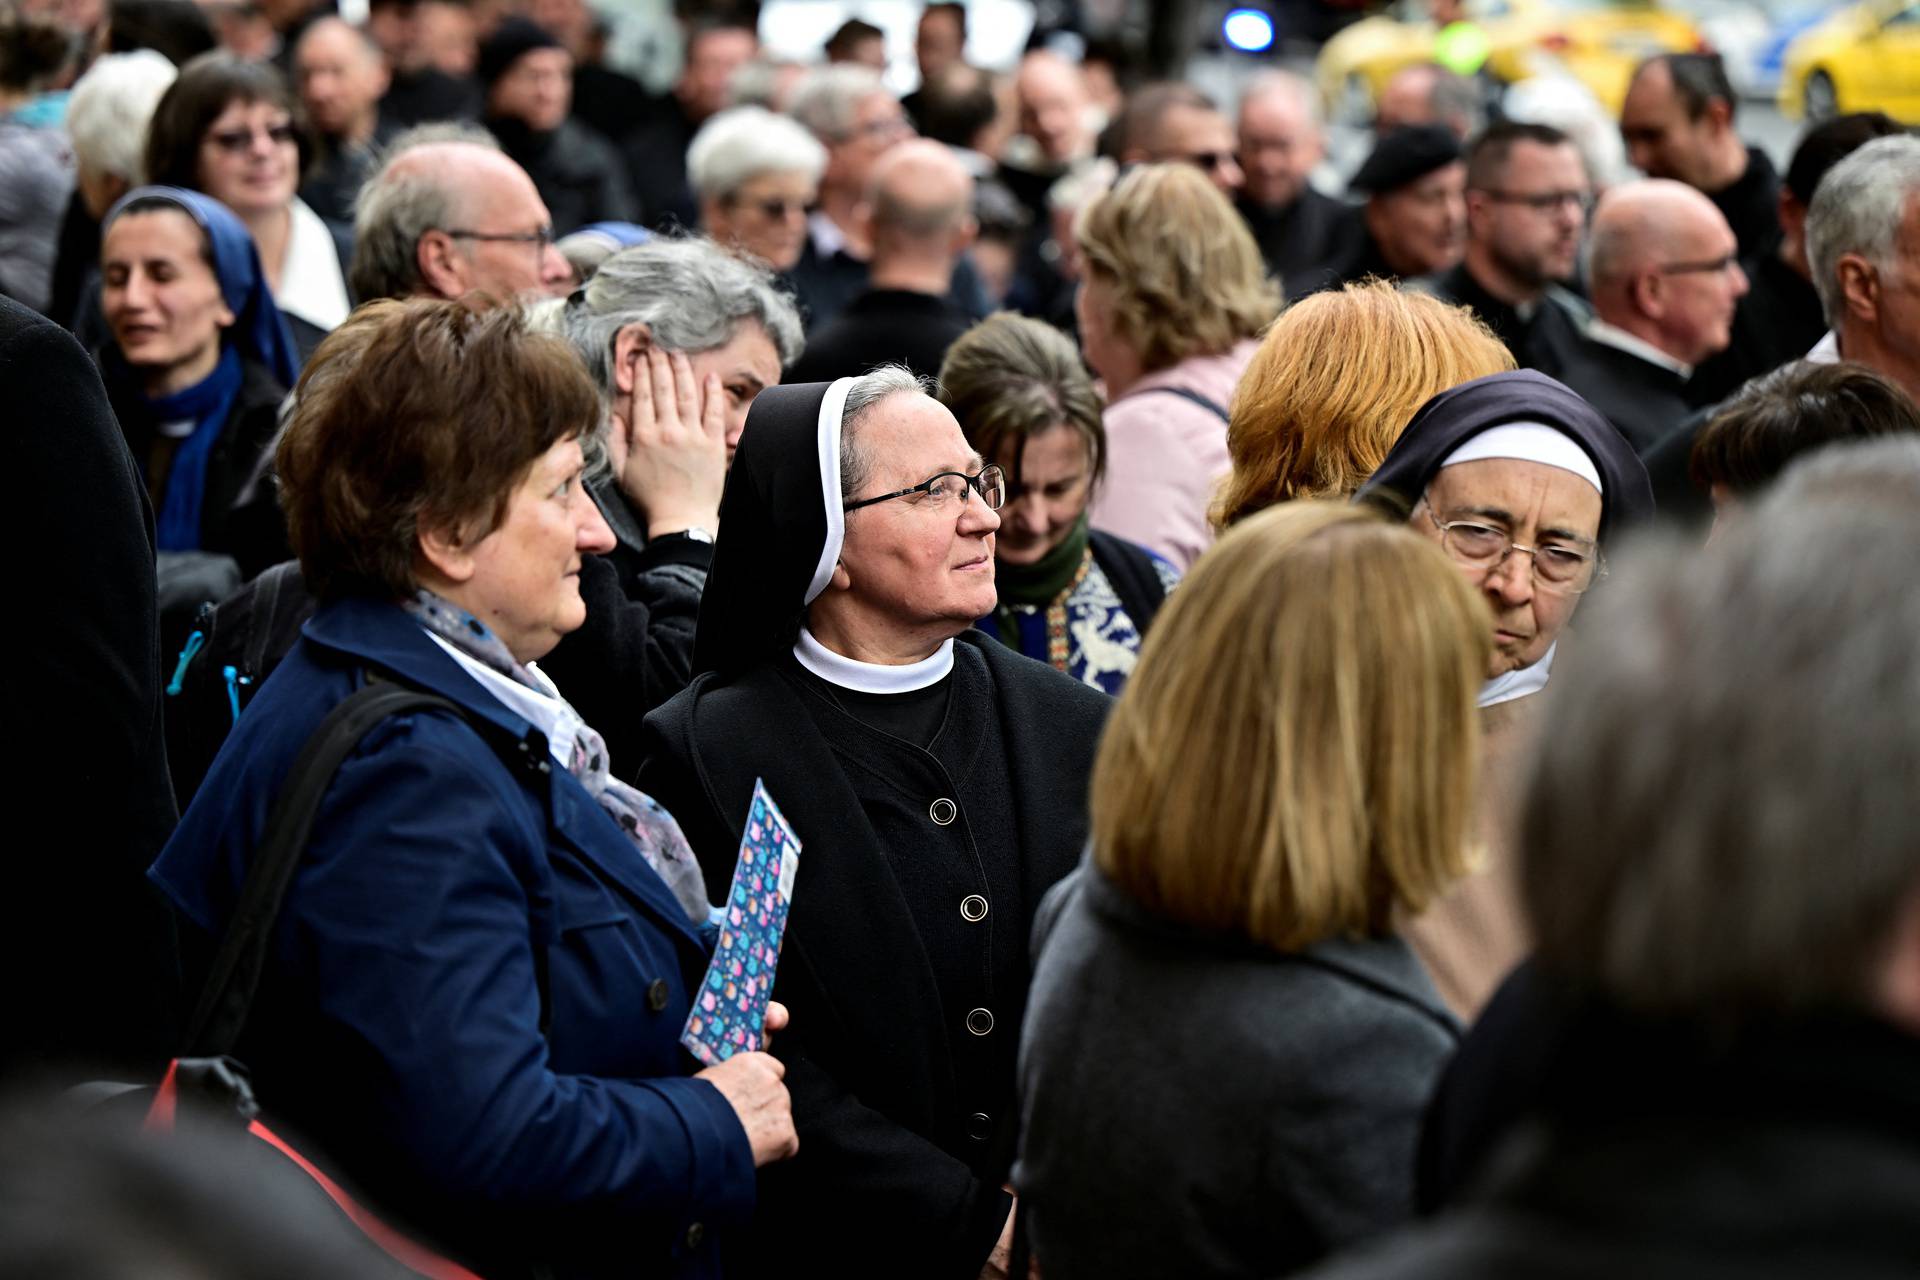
(1360, 734)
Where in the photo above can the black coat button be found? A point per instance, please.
(979, 1126)
(657, 994)
(973, 908)
(980, 1021)
(943, 811)
(696, 1235)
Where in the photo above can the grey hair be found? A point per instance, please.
(743, 143)
(1858, 208)
(110, 108)
(829, 98)
(1295, 86)
(866, 392)
(393, 211)
(1720, 824)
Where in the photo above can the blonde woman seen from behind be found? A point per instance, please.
(1291, 763)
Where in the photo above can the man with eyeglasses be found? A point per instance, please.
(1175, 123)
(1664, 273)
(1527, 197)
(937, 783)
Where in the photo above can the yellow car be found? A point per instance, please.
(1865, 57)
(1598, 42)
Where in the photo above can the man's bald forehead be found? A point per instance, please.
(920, 171)
(340, 35)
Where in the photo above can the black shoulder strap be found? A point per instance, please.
(228, 995)
(1187, 393)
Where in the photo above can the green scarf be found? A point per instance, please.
(1037, 584)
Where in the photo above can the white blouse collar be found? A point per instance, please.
(871, 677)
(1518, 684)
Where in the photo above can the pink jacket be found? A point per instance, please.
(1167, 455)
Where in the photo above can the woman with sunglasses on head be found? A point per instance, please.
(756, 174)
(233, 130)
(1522, 483)
(199, 364)
(936, 781)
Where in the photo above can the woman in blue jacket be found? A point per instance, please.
(479, 977)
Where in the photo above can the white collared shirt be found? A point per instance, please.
(828, 239)
(1600, 331)
(871, 677)
(1825, 351)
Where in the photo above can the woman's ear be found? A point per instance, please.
(631, 343)
(446, 559)
(841, 579)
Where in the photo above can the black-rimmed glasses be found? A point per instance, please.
(949, 487)
(1559, 568)
(1714, 267)
(541, 238)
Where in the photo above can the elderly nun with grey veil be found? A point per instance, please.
(680, 336)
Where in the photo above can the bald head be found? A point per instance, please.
(1280, 137)
(1661, 264)
(1053, 106)
(340, 75)
(920, 202)
(408, 213)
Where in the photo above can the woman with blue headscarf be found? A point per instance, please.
(200, 362)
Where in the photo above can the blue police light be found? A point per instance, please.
(1248, 30)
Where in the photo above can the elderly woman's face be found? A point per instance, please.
(1056, 473)
(249, 160)
(917, 569)
(1534, 505)
(767, 217)
(160, 298)
(523, 579)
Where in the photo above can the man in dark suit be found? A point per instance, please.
(1677, 122)
(918, 220)
(1664, 273)
(1303, 233)
(1414, 222)
(1527, 196)
(88, 943)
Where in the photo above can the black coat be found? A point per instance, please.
(1540, 340)
(882, 326)
(1640, 398)
(88, 942)
(823, 286)
(885, 1182)
(1751, 205)
(1788, 1153)
(240, 512)
(1306, 243)
(578, 173)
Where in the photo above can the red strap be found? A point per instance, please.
(165, 1100)
(398, 1247)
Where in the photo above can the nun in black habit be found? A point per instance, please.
(937, 795)
(1523, 484)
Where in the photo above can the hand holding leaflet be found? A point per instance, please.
(730, 1009)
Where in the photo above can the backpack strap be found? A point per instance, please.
(228, 995)
(1192, 397)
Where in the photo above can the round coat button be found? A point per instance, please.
(696, 1235)
(943, 811)
(973, 908)
(980, 1021)
(657, 994)
(979, 1126)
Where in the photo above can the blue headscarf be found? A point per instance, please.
(259, 333)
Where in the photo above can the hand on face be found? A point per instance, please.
(669, 443)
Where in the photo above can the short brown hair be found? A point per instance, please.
(1335, 382)
(418, 414)
(1009, 378)
(205, 87)
(1188, 279)
(1794, 410)
(1294, 756)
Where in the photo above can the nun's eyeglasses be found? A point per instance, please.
(1558, 568)
(949, 487)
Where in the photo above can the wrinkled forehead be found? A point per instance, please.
(1514, 491)
(909, 436)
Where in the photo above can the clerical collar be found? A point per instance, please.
(1518, 684)
(1600, 331)
(872, 677)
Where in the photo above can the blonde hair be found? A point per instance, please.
(1186, 274)
(1294, 756)
(1335, 382)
